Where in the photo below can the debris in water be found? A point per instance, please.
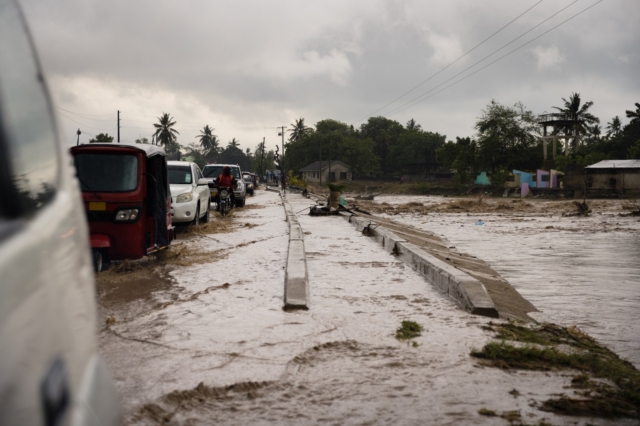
(479, 222)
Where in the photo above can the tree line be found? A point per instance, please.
(507, 137)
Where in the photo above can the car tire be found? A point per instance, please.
(240, 203)
(97, 260)
(205, 218)
(196, 219)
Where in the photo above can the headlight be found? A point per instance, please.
(240, 185)
(127, 215)
(250, 185)
(184, 198)
(223, 193)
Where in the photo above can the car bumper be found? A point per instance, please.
(184, 212)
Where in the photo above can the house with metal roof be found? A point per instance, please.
(613, 177)
(325, 171)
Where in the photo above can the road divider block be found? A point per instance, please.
(467, 291)
(296, 276)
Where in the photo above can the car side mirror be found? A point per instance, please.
(203, 182)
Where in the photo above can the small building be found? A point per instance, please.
(613, 177)
(314, 171)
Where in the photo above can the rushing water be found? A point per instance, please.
(577, 271)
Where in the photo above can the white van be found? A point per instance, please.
(50, 370)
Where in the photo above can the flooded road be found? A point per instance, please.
(582, 271)
(210, 343)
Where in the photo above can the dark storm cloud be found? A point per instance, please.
(241, 64)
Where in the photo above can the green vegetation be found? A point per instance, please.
(486, 412)
(334, 187)
(617, 396)
(101, 138)
(408, 330)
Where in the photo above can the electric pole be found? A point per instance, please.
(282, 178)
(320, 167)
(78, 141)
(329, 179)
(118, 126)
(262, 162)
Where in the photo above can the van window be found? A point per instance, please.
(29, 135)
(107, 172)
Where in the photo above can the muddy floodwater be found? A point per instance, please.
(582, 271)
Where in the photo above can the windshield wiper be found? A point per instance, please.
(95, 194)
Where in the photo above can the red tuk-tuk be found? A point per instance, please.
(126, 194)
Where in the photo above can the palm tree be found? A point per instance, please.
(206, 138)
(299, 130)
(412, 125)
(233, 143)
(573, 110)
(165, 133)
(614, 126)
(634, 116)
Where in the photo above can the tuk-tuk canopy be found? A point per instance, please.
(148, 149)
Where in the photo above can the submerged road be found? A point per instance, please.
(204, 339)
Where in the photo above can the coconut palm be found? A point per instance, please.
(634, 115)
(576, 111)
(165, 133)
(207, 139)
(412, 125)
(614, 127)
(298, 130)
(233, 143)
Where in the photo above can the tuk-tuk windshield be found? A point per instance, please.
(107, 172)
(215, 171)
(180, 175)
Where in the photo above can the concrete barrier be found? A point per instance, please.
(296, 276)
(467, 291)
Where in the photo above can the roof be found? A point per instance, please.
(319, 165)
(616, 164)
(148, 149)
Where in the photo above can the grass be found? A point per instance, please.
(408, 330)
(598, 398)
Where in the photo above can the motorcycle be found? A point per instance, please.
(225, 203)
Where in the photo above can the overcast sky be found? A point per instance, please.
(246, 67)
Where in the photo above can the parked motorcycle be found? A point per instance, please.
(225, 203)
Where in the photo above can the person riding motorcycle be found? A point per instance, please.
(226, 180)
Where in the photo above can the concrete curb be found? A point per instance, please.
(467, 291)
(296, 276)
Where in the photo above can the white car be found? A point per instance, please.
(190, 197)
(50, 370)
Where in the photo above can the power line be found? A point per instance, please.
(488, 65)
(81, 114)
(82, 124)
(401, 107)
(465, 54)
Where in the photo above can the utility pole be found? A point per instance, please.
(262, 162)
(320, 167)
(282, 178)
(329, 160)
(78, 141)
(118, 126)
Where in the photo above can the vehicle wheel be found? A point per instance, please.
(240, 203)
(196, 219)
(205, 218)
(97, 260)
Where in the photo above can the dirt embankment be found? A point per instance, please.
(498, 206)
